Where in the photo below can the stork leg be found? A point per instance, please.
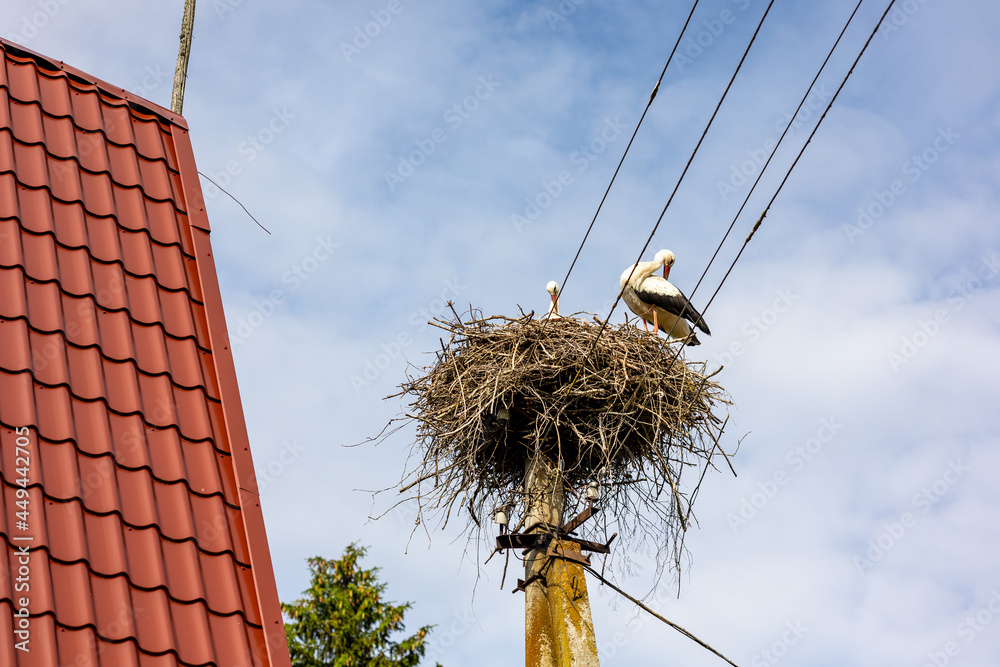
(645, 324)
(656, 325)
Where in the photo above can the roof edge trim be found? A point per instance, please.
(135, 102)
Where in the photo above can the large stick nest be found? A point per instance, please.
(620, 407)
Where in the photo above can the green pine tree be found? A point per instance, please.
(343, 622)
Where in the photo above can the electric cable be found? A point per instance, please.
(680, 179)
(801, 151)
(775, 149)
(649, 103)
(646, 608)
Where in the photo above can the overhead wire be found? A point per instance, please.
(729, 230)
(774, 150)
(649, 103)
(639, 603)
(801, 151)
(788, 173)
(680, 179)
(764, 167)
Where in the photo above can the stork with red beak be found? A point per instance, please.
(657, 301)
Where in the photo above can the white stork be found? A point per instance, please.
(656, 300)
(553, 289)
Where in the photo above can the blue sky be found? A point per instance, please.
(859, 331)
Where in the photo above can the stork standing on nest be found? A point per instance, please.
(553, 289)
(656, 300)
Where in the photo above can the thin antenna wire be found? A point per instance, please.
(649, 103)
(235, 200)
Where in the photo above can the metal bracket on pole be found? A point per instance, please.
(528, 540)
(522, 584)
(581, 517)
(561, 552)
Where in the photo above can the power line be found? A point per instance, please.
(649, 103)
(803, 149)
(764, 168)
(649, 240)
(775, 149)
(645, 608)
(794, 163)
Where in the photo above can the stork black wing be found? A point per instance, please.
(675, 304)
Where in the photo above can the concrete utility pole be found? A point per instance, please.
(183, 55)
(558, 628)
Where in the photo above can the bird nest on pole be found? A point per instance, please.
(620, 408)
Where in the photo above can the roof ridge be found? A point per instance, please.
(47, 68)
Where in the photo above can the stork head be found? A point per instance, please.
(553, 289)
(666, 258)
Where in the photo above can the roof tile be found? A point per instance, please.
(8, 191)
(143, 298)
(60, 136)
(130, 208)
(31, 161)
(15, 353)
(161, 219)
(149, 140)
(98, 195)
(26, 123)
(156, 180)
(124, 165)
(17, 406)
(174, 270)
(69, 224)
(39, 257)
(73, 267)
(148, 546)
(22, 81)
(54, 411)
(190, 622)
(86, 109)
(117, 124)
(137, 255)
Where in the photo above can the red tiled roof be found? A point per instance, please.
(127, 498)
